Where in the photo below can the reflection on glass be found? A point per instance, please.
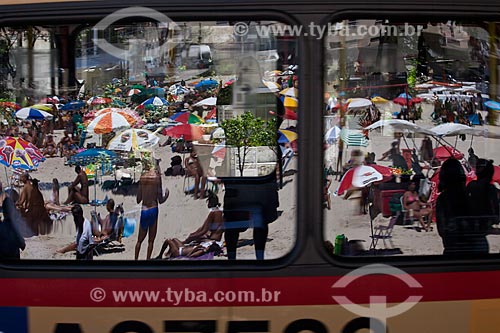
(402, 100)
(155, 131)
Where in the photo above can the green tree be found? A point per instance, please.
(247, 131)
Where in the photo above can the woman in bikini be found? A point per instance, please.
(413, 204)
(210, 231)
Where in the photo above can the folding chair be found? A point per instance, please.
(384, 232)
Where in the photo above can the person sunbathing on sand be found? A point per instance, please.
(210, 231)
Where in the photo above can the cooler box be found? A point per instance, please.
(386, 196)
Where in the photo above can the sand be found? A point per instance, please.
(179, 215)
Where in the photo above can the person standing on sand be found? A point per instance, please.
(150, 194)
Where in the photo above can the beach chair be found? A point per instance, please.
(384, 233)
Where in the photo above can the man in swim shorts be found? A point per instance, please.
(150, 194)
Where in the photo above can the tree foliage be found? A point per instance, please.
(247, 131)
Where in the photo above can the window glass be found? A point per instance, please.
(146, 136)
(411, 138)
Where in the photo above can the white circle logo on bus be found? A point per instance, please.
(163, 22)
(377, 308)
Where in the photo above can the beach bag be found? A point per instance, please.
(129, 227)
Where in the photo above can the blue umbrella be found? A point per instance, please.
(206, 84)
(404, 95)
(492, 105)
(155, 101)
(30, 113)
(73, 105)
(90, 156)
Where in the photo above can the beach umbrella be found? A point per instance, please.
(99, 100)
(273, 86)
(290, 102)
(133, 91)
(286, 136)
(207, 101)
(402, 101)
(187, 131)
(132, 117)
(290, 114)
(186, 118)
(43, 107)
(445, 152)
(470, 175)
(492, 105)
(91, 156)
(379, 100)
(218, 133)
(108, 122)
(206, 84)
(496, 174)
(400, 125)
(358, 177)
(19, 153)
(12, 105)
(332, 134)
(31, 113)
(404, 95)
(133, 138)
(452, 129)
(358, 103)
(73, 105)
(177, 89)
(154, 101)
(291, 92)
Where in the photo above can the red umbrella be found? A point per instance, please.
(289, 114)
(496, 174)
(385, 171)
(187, 131)
(470, 175)
(445, 152)
(358, 177)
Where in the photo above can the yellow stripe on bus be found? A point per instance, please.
(457, 317)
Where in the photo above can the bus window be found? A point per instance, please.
(411, 149)
(167, 140)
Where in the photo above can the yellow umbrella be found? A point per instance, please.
(378, 99)
(290, 102)
(42, 107)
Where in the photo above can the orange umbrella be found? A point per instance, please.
(107, 123)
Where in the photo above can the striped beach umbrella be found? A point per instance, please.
(19, 153)
(186, 118)
(31, 113)
(155, 101)
(107, 123)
